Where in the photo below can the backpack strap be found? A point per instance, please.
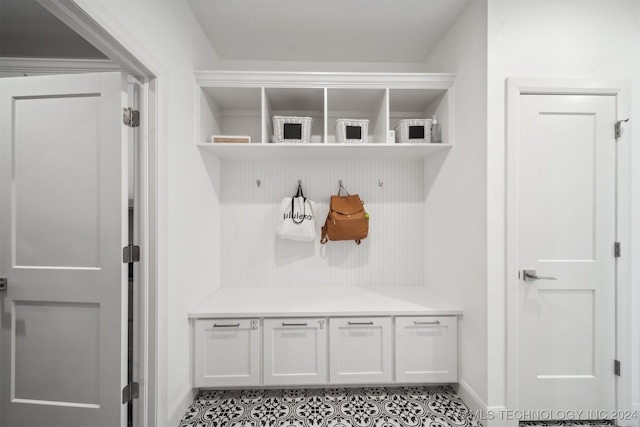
(342, 188)
(324, 238)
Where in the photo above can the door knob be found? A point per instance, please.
(530, 276)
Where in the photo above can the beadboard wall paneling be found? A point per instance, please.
(252, 255)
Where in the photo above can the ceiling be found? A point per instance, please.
(383, 31)
(395, 31)
(28, 30)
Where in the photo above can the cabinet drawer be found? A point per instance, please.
(227, 352)
(427, 349)
(295, 351)
(360, 350)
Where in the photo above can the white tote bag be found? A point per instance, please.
(297, 220)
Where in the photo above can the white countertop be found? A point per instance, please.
(306, 302)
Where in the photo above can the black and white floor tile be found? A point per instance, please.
(573, 423)
(334, 407)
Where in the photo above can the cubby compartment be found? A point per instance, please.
(244, 103)
(358, 104)
(298, 102)
(230, 111)
(420, 104)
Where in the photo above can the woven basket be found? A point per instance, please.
(352, 131)
(413, 131)
(291, 129)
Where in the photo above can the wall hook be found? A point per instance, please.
(339, 182)
(299, 182)
(258, 182)
(380, 182)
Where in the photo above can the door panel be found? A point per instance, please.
(56, 177)
(65, 333)
(63, 182)
(566, 173)
(567, 231)
(574, 337)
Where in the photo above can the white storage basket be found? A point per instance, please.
(352, 131)
(413, 131)
(291, 129)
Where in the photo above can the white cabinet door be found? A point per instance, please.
(295, 351)
(427, 349)
(227, 352)
(360, 350)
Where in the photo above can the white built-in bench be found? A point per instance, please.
(314, 336)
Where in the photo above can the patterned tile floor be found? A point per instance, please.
(334, 407)
(603, 423)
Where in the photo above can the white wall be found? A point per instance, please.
(554, 39)
(456, 203)
(392, 254)
(166, 37)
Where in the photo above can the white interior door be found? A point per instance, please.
(63, 193)
(567, 232)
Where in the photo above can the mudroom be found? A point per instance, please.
(348, 213)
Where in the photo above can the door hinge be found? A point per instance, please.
(616, 367)
(616, 249)
(3, 284)
(130, 391)
(131, 117)
(618, 128)
(130, 253)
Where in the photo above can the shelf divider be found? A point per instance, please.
(325, 137)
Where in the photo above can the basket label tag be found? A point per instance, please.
(416, 132)
(354, 132)
(292, 131)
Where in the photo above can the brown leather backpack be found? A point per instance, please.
(347, 219)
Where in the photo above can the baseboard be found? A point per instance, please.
(489, 416)
(471, 399)
(181, 406)
(498, 416)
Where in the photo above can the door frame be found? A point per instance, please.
(119, 49)
(621, 89)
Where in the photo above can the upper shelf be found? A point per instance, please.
(243, 103)
(323, 151)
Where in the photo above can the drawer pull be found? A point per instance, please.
(360, 323)
(437, 322)
(294, 324)
(235, 325)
